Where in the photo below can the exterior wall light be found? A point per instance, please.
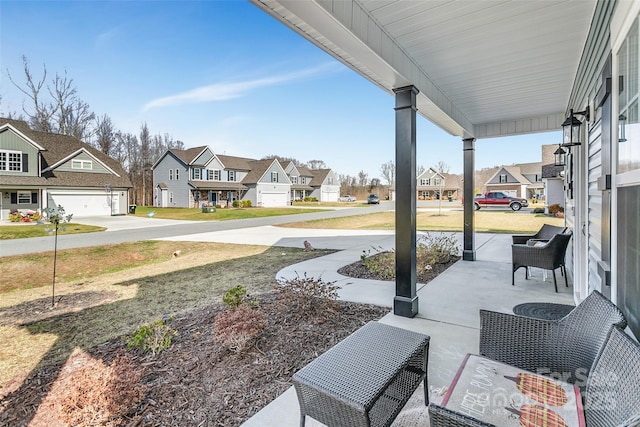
(622, 122)
(559, 156)
(571, 128)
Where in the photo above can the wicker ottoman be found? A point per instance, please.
(366, 379)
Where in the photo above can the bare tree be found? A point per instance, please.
(420, 170)
(362, 178)
(441, 167)
(63, 112)
(105, 135)
(316, 164)
(283, 159)
(40, 117)
(388, 171)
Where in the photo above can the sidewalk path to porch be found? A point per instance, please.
(448, 305)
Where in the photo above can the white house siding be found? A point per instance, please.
(594, 207)
(553, 192)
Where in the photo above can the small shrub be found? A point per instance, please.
(382, 264)
(235, 203)
(236, 329)
(15, 217)
(309, 296)
(234, 296)
(95, 394)
(555, 208)
(436, 249)
(310, 199)
(154, 337)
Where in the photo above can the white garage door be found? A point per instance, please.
(329, 196)
(273, 200)
(81, 204)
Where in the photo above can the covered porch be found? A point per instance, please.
(448, 313)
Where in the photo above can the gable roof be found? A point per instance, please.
(514, 171)
(56, 148)
(319, 175)
(259, 168)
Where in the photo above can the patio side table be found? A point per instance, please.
(366, 379)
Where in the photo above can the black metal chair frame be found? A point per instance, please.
(549, 255)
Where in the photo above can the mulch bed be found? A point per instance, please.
(358, 270)
(197, 381)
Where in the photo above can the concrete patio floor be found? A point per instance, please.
(448, 306)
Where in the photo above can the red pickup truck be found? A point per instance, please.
(499, 199)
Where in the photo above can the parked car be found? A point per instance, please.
(373, 199)
(347, 198)
(499, 199)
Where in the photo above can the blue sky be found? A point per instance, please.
(223, 74)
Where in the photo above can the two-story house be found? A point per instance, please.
(39, 170)
(432, 185)
(321, 184)
(300, 177)
(197, 176)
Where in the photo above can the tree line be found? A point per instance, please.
(53, 105)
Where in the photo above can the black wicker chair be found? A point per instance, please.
(545, 233)
(549, 255)
(611, 395)
(568, 346)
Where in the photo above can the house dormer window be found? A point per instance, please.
(82, 164)
(10, 161)
(274, 176)
(503, 177)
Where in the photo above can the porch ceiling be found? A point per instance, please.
(484, 68)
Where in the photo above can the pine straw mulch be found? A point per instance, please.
(196, 382)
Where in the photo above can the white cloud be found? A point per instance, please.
(226, 91)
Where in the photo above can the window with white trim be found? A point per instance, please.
(503, 177)
(217, 175)
(294, 179)
(170, 196)
(231, 175)
(196, 173)
(209, 175)
(24, 198)
(82, 164)
(10, 161)
(170, 174)
(177, 174)
(274, 176)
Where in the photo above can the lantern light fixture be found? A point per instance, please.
(559, 155)
(622, 122)
(571, 128)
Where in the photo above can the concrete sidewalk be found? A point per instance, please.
(448, 305)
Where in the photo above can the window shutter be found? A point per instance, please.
(14, 198)
(34, 198)
(25, 162)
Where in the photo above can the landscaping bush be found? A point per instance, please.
(431, 249)
(154, 337)
(95, 394)
(237, 328)
(310, 199)
(538, 210)
(556, 210)
(308, 296)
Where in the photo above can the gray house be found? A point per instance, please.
(39, 170)
(487, 69)
(198, 176)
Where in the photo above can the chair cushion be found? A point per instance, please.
(502, 395)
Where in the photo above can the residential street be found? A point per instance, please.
(131, 229)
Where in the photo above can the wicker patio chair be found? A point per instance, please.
(549, 255)
(611, 394)
(613, 387)
(567, 346)
(545, 233)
